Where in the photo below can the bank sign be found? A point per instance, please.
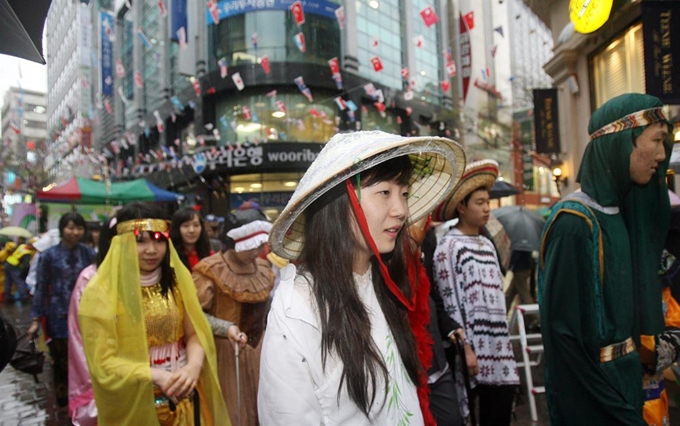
(271, 156)
(229, 8)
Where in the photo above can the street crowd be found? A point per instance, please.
(352, 309)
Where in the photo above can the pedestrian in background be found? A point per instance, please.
(16, 269)
(57, 273)
(470, 282)
(523, 266)
(6, 251)
(148, 345)
(213, 226)
(346, 339)
(81, 405)
(234, 287)
(189, 236)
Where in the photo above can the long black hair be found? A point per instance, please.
(182, 215)
(327, 256)
(139, 210)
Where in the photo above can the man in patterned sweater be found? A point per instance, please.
(469, 279)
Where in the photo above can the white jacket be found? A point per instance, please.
(293, 388)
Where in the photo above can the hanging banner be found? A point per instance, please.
(662, 49)
(465, 55)
(546, 121)
(229, 8)
(105, 28)
(178, 18)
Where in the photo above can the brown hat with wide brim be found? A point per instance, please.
(479, 174)
(438, 165)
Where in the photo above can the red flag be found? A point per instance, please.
(446, 85)
(314, 112)
(429, 16)
(470, 19)
(404, 73)
(246, 112)
(161, 7)
(265, 64)
(120, 69)
(138, 80)
(298, 13)
(334, 64)
(197, 87)
(375, 42)
(214, 11)
(340, 103)
(451, 68)
(380, 106)
(280, 106)
(377, 64)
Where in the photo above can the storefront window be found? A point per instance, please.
(232, 39)
(261, 118)
(619, 68)
(271, 190)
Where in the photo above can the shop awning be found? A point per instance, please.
(85, 191)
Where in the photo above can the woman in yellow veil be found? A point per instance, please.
(148, 346)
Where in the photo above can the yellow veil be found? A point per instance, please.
(114, 338)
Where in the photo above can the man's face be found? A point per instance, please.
(476, 212)
(647, 153)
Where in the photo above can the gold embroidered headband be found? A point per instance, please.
(141, 225)
(641, 118)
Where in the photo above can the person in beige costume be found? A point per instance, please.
(234, 288)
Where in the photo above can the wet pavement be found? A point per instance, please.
(22, 400)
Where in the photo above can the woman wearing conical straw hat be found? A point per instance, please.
(346, 341)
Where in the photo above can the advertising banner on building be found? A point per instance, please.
(546, 121)
(106, 28)
(178, 18)
(465, 56)
(662, 49)
(229, 8)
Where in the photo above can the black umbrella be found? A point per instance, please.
(502, 189)
(21, 28)
(523, 226)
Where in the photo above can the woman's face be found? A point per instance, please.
(72, 233)
(190, 230)
(249, 256)
(151, 249)
(386, 209)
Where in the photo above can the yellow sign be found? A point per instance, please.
(589, 15)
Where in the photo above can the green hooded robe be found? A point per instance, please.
(589, 291)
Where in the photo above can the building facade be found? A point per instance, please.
(590, 69)
(24, 138)
(75, 55)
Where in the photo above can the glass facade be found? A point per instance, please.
(381, 20)
(232, 39)
(258, 118)
(429, 58)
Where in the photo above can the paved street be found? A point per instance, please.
(22, 401)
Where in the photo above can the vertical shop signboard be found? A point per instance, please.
(106, 29)
(546, 121)
(662, 49)
(465, 55)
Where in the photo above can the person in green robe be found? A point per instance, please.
(593, 306)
